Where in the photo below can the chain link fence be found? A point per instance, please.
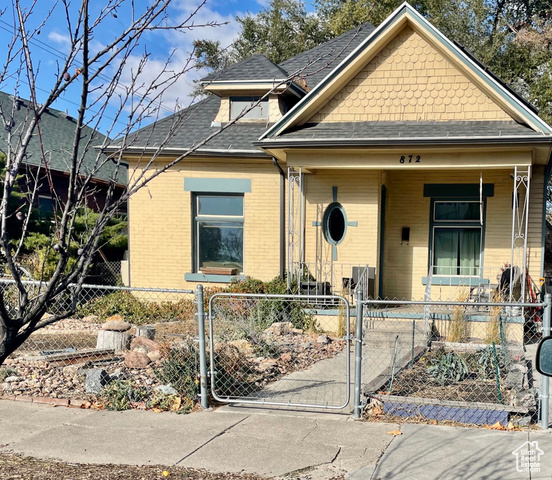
(271, 350)
(469, 362)
(121, 347)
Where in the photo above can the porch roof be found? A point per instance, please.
(358, 133)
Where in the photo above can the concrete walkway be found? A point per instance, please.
(273, 444)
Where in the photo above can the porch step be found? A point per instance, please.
(387, 338)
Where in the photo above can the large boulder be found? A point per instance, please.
(150, 345)
(137, 360)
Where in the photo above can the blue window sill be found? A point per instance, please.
(457, 281)
(201, 277)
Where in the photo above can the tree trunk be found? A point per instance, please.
(116, 340)
(147, 331)
(8, 342)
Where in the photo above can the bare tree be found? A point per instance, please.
(107, 77)
(107, 88)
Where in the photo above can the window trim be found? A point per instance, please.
(196, 274)
(326, 223)
(46, 214)
(264, 103)
(456, 279)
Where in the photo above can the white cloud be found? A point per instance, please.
(162, 45)
(60, 39)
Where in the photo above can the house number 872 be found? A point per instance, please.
(410, 159)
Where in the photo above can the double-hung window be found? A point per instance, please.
(457, 237)
(218, 232)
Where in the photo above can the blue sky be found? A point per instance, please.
(49, 47)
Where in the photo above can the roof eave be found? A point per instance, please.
(422, 141)
(201, 152)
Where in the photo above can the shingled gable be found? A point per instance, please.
(319, 114)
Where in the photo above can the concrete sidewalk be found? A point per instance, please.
(269, 443)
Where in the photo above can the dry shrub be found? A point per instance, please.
(459, 330)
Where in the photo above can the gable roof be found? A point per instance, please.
(315, 64)
(368, 48)
(57, 136)
(256, 67)
(195, 123)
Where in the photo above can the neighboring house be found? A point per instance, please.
(396, 149)
(49, 152)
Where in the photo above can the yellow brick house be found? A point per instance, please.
(389, 153)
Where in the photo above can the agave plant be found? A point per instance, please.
(448, 368)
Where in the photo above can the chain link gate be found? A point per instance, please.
(264, 350)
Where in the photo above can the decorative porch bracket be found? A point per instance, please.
(520, 223)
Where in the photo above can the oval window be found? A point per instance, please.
(335, 223)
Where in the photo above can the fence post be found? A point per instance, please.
(202, 350)
(545, 380)
(357, 412)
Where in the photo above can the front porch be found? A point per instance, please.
(416, 233)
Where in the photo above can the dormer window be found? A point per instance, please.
(239, 104)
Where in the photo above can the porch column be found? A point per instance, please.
(295, 222)
(520, 223)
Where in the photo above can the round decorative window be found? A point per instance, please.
(334, 223)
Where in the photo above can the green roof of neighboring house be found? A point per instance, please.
(57, 131)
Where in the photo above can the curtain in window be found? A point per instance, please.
(445, 251)
(470, 248)
(456, 251)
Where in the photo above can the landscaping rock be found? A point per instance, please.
(154, 356)
(70, 370)
(514, 379)
(243, 346)
(323, 340)
(91, 319)
(523, 421)
(286, 357)
(137, 360)
(96, 380)
(12, 379)
(149, 345)
(279, 328)
(166, 389)
(306, 345)
(116, 324)
(526, 399)
(141, 350)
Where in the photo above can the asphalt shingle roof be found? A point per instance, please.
(195, 124)
(57, 134)
(316, 63)
(256, 67)
(411, 129)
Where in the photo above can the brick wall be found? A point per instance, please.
(161, 224)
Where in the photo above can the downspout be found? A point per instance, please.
(282, 218)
